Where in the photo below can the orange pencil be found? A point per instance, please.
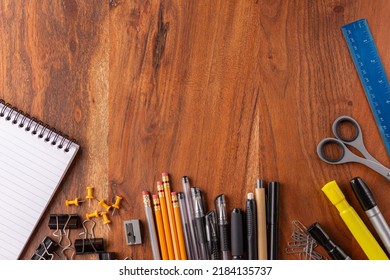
(179, 226)
(160, 227)
(171, 215)
(164, 213)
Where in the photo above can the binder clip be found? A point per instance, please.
(45, 250)
(88, 244)
(132, 232)
(64, 221)
(107, 256)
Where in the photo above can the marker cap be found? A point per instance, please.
(333, 192)
(363, 193)
(336, 196)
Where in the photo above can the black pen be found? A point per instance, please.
(212, 234)
(200, 222)
(272, 219)
(220, 206)
(251, 227)
(237, 234)
(324, 240)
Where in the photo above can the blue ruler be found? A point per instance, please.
(371, 73)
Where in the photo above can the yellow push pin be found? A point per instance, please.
(106, 220)
(75, 201)
(104, 204)
(89, 194)
(116, 205)
(92, 215)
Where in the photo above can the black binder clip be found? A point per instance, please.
(88, 244)
(107, 256)
(64, 221)
(45, 250)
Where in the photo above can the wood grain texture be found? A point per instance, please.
(55, 67)
(224, 92)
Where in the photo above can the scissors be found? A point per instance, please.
(347, 155)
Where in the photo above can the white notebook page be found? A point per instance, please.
(31, 168)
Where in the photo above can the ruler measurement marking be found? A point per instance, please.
(371, 73)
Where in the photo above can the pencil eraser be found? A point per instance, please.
(173, 193)
(333, 192)
(145, 193)
(164, 174)
(154, 196)
(159, 183)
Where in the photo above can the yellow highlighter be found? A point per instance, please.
(356, 226)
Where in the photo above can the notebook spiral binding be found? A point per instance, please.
(36, 127)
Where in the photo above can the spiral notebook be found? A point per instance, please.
(34, 159)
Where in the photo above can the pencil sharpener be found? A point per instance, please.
(132, 232)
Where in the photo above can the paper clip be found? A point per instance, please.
(45, 250)
(302, 243)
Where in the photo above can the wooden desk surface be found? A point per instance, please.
(224, 92)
